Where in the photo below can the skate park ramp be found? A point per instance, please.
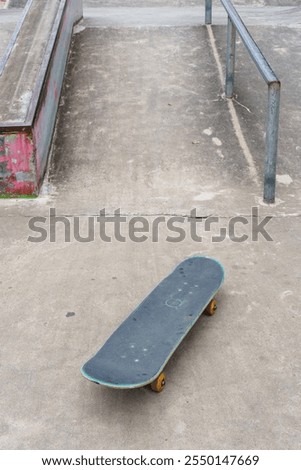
(154, 93)
(143, 127)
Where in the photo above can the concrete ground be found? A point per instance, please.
(143, 127)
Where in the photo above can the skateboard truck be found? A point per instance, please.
(159, 384)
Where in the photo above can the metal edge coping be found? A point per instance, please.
(7, 127)
(14, 37)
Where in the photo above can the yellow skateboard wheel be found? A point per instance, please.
(158, 384)
(211, 307)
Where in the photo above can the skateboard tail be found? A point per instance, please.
(115, 385)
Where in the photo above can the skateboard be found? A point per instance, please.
(136, 353)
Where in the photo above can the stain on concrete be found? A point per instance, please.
(284, 179)
(217, 141)
(207, 131)
(70, 314)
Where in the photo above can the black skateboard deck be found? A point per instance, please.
(137, 352)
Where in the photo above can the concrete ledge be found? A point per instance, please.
(30, 84)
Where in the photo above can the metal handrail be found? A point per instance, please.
(235, 23)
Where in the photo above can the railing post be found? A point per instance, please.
(208, 11)
(271, 142)
(230, 63)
